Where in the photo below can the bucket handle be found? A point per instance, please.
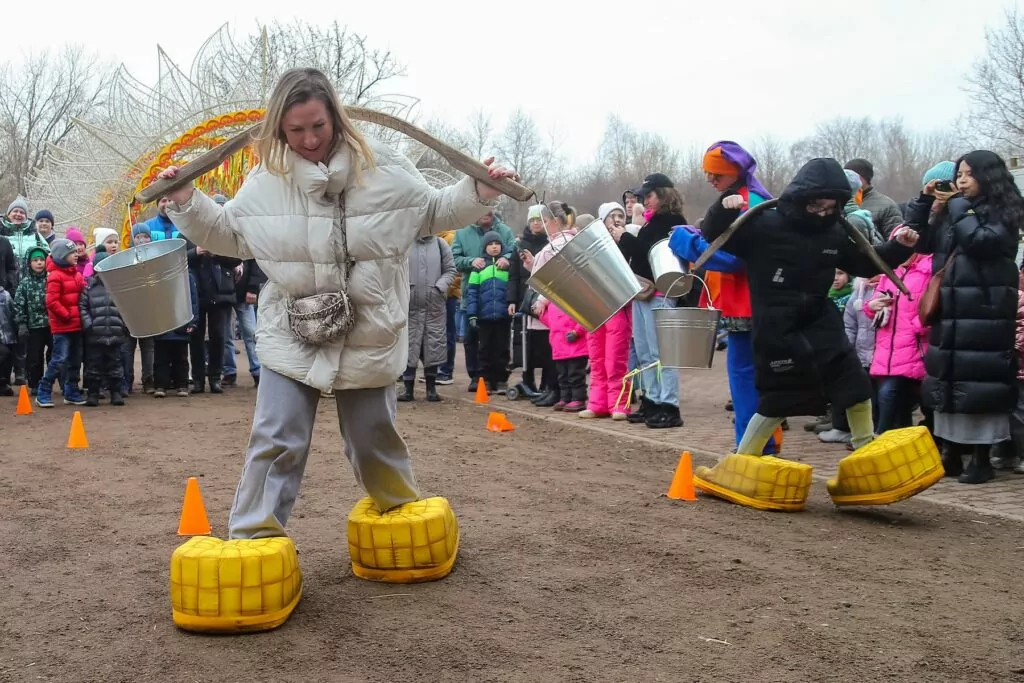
(702, 282)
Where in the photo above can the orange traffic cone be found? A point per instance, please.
(497, 422)
(481, 392)
(682, 482)
(77, 438)
(778, 439)
(193, 513)
(24, 405)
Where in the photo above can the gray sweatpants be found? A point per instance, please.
(282, 429)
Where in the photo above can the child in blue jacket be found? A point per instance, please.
(487, 309)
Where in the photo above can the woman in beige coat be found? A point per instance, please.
(319, 179)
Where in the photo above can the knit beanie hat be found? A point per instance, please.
(141, 229)
(492, 236)
(19, 203)
(861, 167)
(714, 162)
(535, 212)
(605, 209)
(855, 182)
(102, 234)
(944, 170)
(44, 214)
(75, 235)
(41, 252)
(60, 250)
(583, 220)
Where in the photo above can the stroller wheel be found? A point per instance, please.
(512, 393)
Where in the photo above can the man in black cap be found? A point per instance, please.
(885, 212)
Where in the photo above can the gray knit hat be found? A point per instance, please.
(19, 203)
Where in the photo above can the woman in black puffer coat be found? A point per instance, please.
(971, 363)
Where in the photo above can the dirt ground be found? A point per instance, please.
(573, 567)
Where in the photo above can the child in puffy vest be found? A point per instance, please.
(64, 285)
(104, 332)
(569, 349)
(31, 317)
(487, 309)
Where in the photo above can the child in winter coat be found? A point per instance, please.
(841, 289)
(107, 241)
(569, 349)
(608, 347)
(900, 343)
(171, 351)
(8, 340)
(76, 236)
(487, 308)
(64, 285)
(31, 318)
(104, 332)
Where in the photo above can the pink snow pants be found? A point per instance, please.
(608, 348)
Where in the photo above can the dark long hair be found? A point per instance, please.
(997, 188)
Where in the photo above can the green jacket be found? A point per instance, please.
(468, 244)
(30, 302)
(22, 237)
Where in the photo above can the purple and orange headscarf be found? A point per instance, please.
(726, 156)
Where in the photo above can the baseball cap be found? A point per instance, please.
(651, 183)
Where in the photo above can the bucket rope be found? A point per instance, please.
(627, 382)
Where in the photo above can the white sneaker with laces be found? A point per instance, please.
(835, 436)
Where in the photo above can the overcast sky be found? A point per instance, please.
(692, 71)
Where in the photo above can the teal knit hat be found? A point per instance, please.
(944, 170)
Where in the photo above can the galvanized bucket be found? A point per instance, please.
(687, 337)
(671, 276)
(149, 284)
(588, 277)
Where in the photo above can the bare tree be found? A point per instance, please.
(774, 163)
(522, 146)
(479, 135)
(39, 99)
(996, 85)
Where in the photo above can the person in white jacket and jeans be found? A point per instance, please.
(319, 176)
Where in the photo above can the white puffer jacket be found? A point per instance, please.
(285, 223)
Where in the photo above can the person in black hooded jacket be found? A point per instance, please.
(105, 333)
(659, 406)
(215, 284)
(803, 359)
(971, 362)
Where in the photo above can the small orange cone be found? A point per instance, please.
(778, 439)
(481, 392)
(24, 405)
(193, 513)
(77, 438)
(497, 422)
(682, 482)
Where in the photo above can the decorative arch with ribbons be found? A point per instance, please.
(225, 179)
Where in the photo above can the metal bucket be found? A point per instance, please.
(687, 337)
(671, 276)
(149, 284)
(588, 277)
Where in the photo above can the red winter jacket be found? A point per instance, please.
(64, 284)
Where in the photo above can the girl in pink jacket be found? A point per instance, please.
(569, 351)
(900, 343)
(608, 347)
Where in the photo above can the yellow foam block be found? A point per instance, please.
(411, 543)
(234, 586)
(893, 467)
(761, 482)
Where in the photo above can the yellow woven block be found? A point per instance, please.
(761, 482)
(893, 467)
(411, 543)
(234, 586)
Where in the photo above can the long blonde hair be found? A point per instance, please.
(297, 86)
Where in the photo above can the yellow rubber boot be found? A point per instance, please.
(895, 466)
(760, 482)
(234, 586)
(414, 542)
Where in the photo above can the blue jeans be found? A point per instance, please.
(663, 389)
(247, 326)
(66, 361)
(451, 312)
(896, 399)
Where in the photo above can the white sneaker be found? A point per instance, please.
(835, 436)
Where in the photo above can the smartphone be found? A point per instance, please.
(944, 186)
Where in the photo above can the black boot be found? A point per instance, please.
(432, 389)
(199, 386)
(115, 398)
(979, 469)
(92, 398)
(639, 416)
(215, 386)
(952, 459)
(549, 399)
(666, 417)
(407, 396)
